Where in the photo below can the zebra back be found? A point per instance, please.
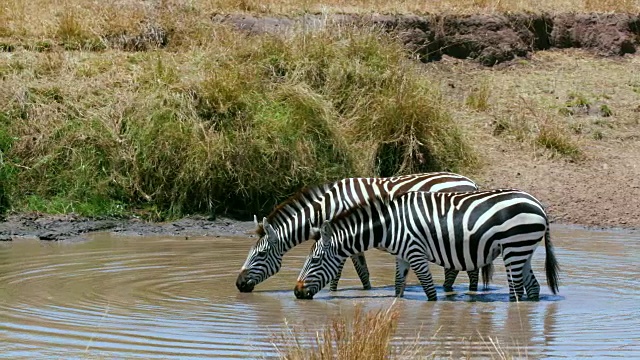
(425, 215)
(294, 219)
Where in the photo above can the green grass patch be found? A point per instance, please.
(62, 204)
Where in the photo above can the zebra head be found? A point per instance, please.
(321, 266)
(264, 259)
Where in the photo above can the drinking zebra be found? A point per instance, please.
(463, 231)
(291, 222)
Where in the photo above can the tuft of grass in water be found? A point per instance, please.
(366, 336)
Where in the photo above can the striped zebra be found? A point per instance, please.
(291, 222)
(463, 231)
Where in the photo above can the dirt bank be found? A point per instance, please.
(71, 227)
(490, 39)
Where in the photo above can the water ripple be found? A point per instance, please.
(118, 297)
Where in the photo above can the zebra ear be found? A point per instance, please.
(271, 232)
(314, 233)
(325, 233)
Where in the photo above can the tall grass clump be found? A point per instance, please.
(393, 118)
(74, 35)
(6, 169)
(367, 335)
(233, 127)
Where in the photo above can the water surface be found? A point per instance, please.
(149, 297)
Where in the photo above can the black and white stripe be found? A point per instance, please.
(462, 231)
(292, 221)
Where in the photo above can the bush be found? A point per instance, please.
(234, 127)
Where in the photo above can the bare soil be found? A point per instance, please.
(488, 38)
(602, 192)
(74, 228)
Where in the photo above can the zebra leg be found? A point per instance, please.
(487, 274)
(420, 265)
(360, 263)
(402, 270)
(514, 277)
(333, 285)
(450, 276)
(473, 279)
(531, 284)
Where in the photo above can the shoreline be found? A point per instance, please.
(71, 228)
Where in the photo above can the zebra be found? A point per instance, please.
(290, 224)
(463, 230)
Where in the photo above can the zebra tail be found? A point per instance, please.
(551, 264)
(487, 275)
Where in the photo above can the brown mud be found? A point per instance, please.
(72, 227)
(488, 38)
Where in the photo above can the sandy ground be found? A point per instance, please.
(603, 191)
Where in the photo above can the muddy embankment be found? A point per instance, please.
(74, 228)
(489, 39)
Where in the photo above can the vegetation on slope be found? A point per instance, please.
(232, 125)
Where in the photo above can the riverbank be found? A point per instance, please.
(76, 228)
(176, 109)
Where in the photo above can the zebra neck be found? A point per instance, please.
(292, 232)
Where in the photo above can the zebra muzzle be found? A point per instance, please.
(302, 292)
(243, 284)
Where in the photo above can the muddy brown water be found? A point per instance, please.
(168, 297)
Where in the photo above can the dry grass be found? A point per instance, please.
(478, 98)
(151, 104)
(370, 335)
(234, 125)
(558, 104)
(187, 21)
(366, 336)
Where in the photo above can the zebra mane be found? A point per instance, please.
(299, 197)
(384, 197)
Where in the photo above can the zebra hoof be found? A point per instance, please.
(473, 288)
(448, 289)
(366, 287)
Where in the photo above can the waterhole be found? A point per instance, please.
(170, 297)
